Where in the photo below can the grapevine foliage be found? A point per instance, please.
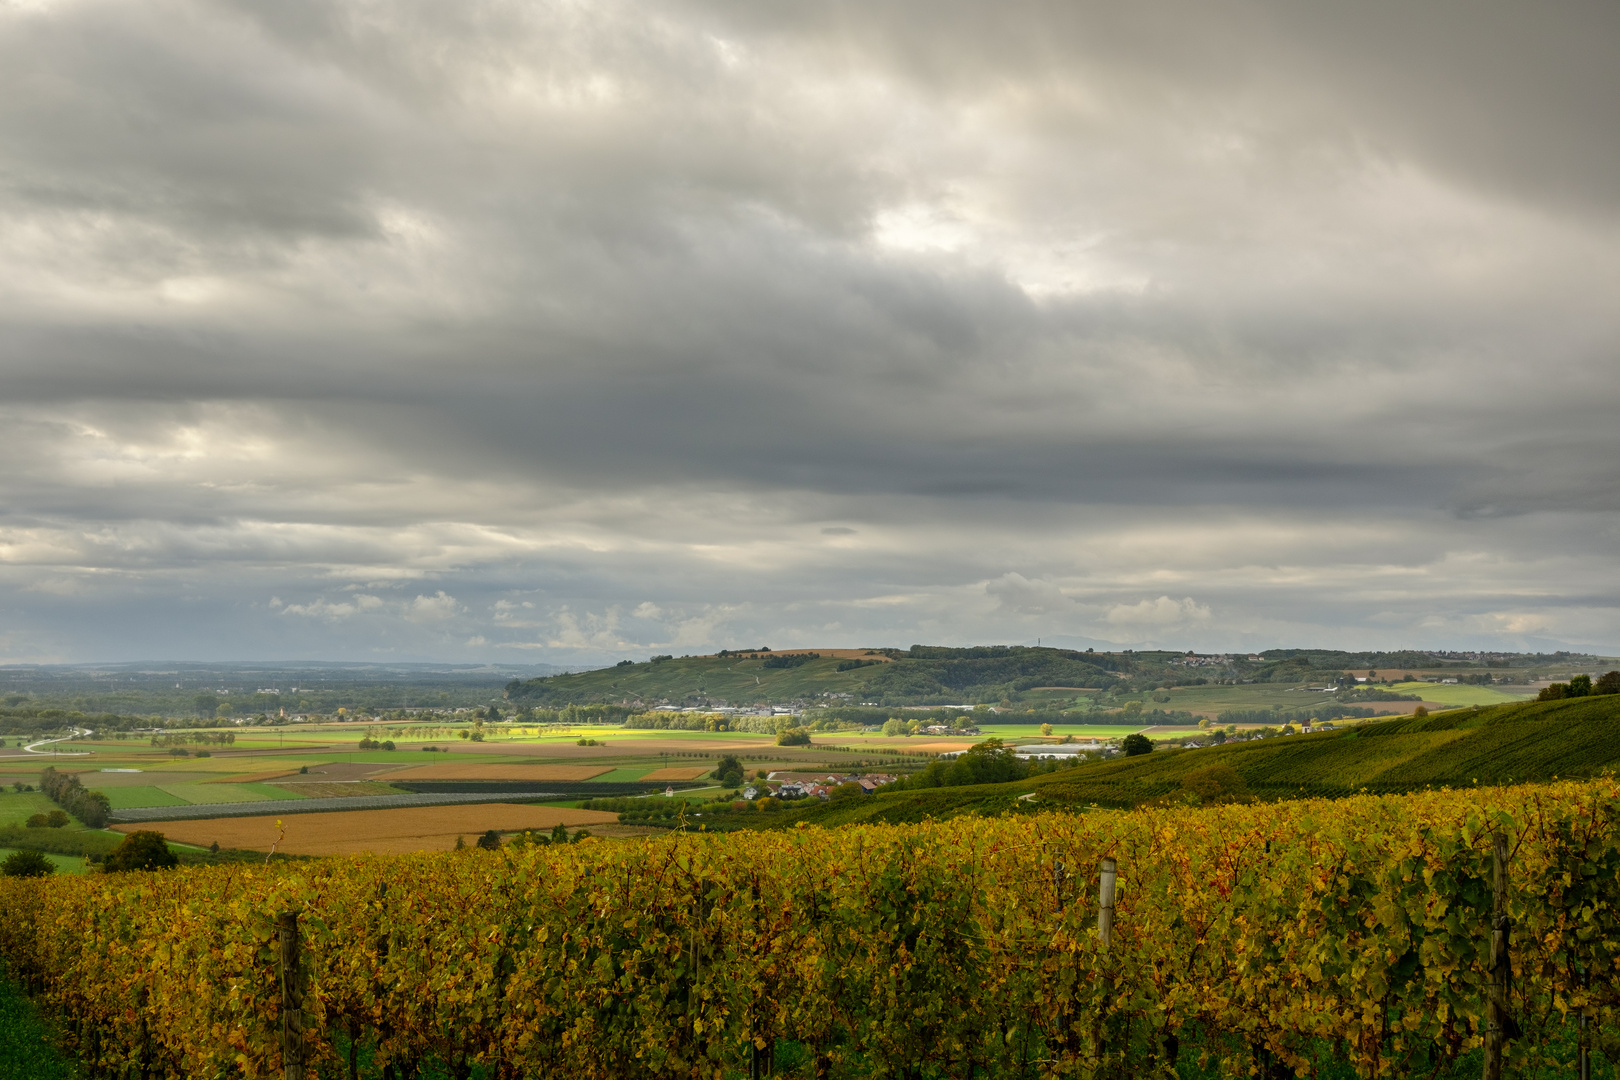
(960, 948)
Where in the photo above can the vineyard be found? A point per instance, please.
(1261, 940)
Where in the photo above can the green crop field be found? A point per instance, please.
(126, 798)
(1462, 694)
(16, 808)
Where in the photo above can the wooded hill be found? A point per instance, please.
(935, 675)
(1532, 741)
(921, 675)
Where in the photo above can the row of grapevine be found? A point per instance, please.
(1265, 935)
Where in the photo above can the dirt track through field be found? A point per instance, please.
(388, 832)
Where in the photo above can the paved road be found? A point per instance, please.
(29, 749)
(282, 807)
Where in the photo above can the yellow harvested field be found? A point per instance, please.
(676, 774)
(385, 832)
(936, 746)
(474, 770)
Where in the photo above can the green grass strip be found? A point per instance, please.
(26, 1049)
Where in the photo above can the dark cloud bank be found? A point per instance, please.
(557, 332)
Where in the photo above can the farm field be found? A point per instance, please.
(352, 832)
(1212, 700)
(478, 770)
(1452, 696)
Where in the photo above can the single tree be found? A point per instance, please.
(490, 841)
(1580, 686)
(559, 833)
(27, 864)
(1046, 729)
(144, 850)
(1607, 684)
(1137, 744)
(56, 819)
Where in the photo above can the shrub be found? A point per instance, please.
(27, 864)
(37, 821)
(1215, 783)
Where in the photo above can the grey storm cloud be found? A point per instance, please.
(566, 332)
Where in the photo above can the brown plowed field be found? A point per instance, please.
(676, 774)
(473, 770)
(387, 832)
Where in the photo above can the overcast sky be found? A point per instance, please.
(561, 332)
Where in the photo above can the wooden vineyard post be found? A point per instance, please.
(1499, 1025)
(1105, 903)
(292, 997)
(1105, 937)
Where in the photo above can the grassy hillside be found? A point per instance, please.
(1527, 741)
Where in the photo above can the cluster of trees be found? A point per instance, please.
(675, 721)
(1377, 693)
(794, 736)
(368, 743)
(989, 762)
(1581, 686)
(64, 789)
(529, 838)
(790, 660)
(201, 738)
(56, 819)
(729, 771)
(1293, 716)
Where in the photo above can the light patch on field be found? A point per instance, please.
(253, 778)
(473, 770)
(394, 831)
(215, 793)
(676, 774)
